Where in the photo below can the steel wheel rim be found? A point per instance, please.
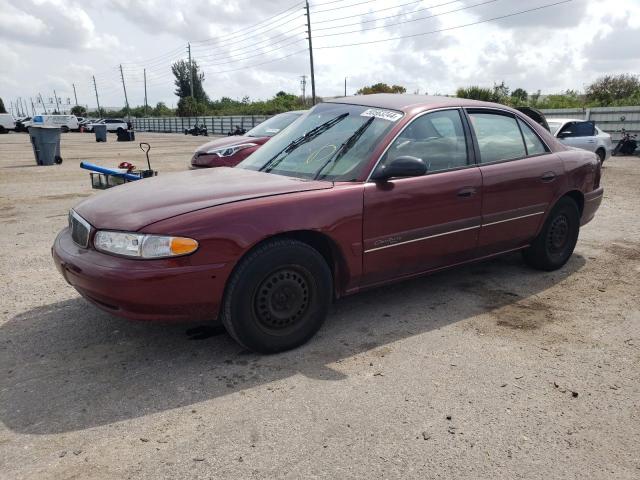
(558, 235)
(282, 299)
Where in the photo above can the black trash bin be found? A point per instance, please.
(46, 145)
(126, 135)
(101, 133)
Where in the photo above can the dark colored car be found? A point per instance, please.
(360, 192)
(229, 151)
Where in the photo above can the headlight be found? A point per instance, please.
(143, 246)
(228, 151)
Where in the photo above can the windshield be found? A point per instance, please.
(273, 125)
(554, 126)
(293, 155)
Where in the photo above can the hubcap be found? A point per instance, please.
(282, 299)
(558, 235)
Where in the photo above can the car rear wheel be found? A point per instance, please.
(64, 129)
(553, 247)
(278, 297)
(601, 154)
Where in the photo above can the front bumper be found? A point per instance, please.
(162, 290)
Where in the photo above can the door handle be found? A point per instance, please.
(467, 192)
(548, 177)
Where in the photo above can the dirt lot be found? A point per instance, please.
(490, 371)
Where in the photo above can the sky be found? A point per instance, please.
(256, 48)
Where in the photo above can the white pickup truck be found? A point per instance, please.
(7, 122)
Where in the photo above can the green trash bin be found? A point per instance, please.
(101, 132)
(46, 145)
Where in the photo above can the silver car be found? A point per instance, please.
(582, 134)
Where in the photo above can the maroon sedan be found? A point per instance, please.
(360, 192)
(230, 151)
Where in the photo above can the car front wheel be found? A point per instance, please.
(554, 245)
(278, 297)
(601, 155)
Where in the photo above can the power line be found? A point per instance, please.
(348, 6)
(253, 56)
(381, 18)
(378, 11)
(243, 31)
(409, 21)
(253, 46)
(542, 7)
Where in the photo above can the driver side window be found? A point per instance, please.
(437, 138)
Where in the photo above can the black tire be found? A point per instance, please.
(64, 129)
(58, 159)
(278, 296)
(120, 130)
(3, 130)
(601, 155)
(554, 245)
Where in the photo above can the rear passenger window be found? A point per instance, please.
(437, 138)
(532, 142)
(498, 136)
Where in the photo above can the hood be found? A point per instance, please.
(230, 141)
(137, 204)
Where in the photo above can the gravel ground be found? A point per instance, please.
(489, 371)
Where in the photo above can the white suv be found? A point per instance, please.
(582, 134)
(113, 124)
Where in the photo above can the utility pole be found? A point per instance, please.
(19, 106)
(190, 69)
(303, 84)
(74, 93)
(144, 71)
(33, 108)
(313, 78)
(97, 101)
(55, 96)
(345, 86)
(126, 100)
(43, 105)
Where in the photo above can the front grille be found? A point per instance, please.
(80, 229)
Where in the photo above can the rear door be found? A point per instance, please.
(579, 135)
(520, 179)
(416, 224)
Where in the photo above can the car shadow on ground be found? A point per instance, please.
(67, 366)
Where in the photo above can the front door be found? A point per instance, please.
(520, 179)
(416, 224)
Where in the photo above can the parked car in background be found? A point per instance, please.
(582, 134)
(23, 124)
(7, 122)
(360, 192)
(87, 122)
(113, 124)
(229, 151)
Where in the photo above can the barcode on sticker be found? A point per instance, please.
(383, 114)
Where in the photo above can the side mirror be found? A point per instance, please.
(565, 134)
(404, 166)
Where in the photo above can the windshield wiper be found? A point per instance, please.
(307, 137)
(345, 147)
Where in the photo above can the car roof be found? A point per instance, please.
(405, 103)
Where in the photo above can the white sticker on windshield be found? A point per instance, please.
(272, 130)
(389, 115)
